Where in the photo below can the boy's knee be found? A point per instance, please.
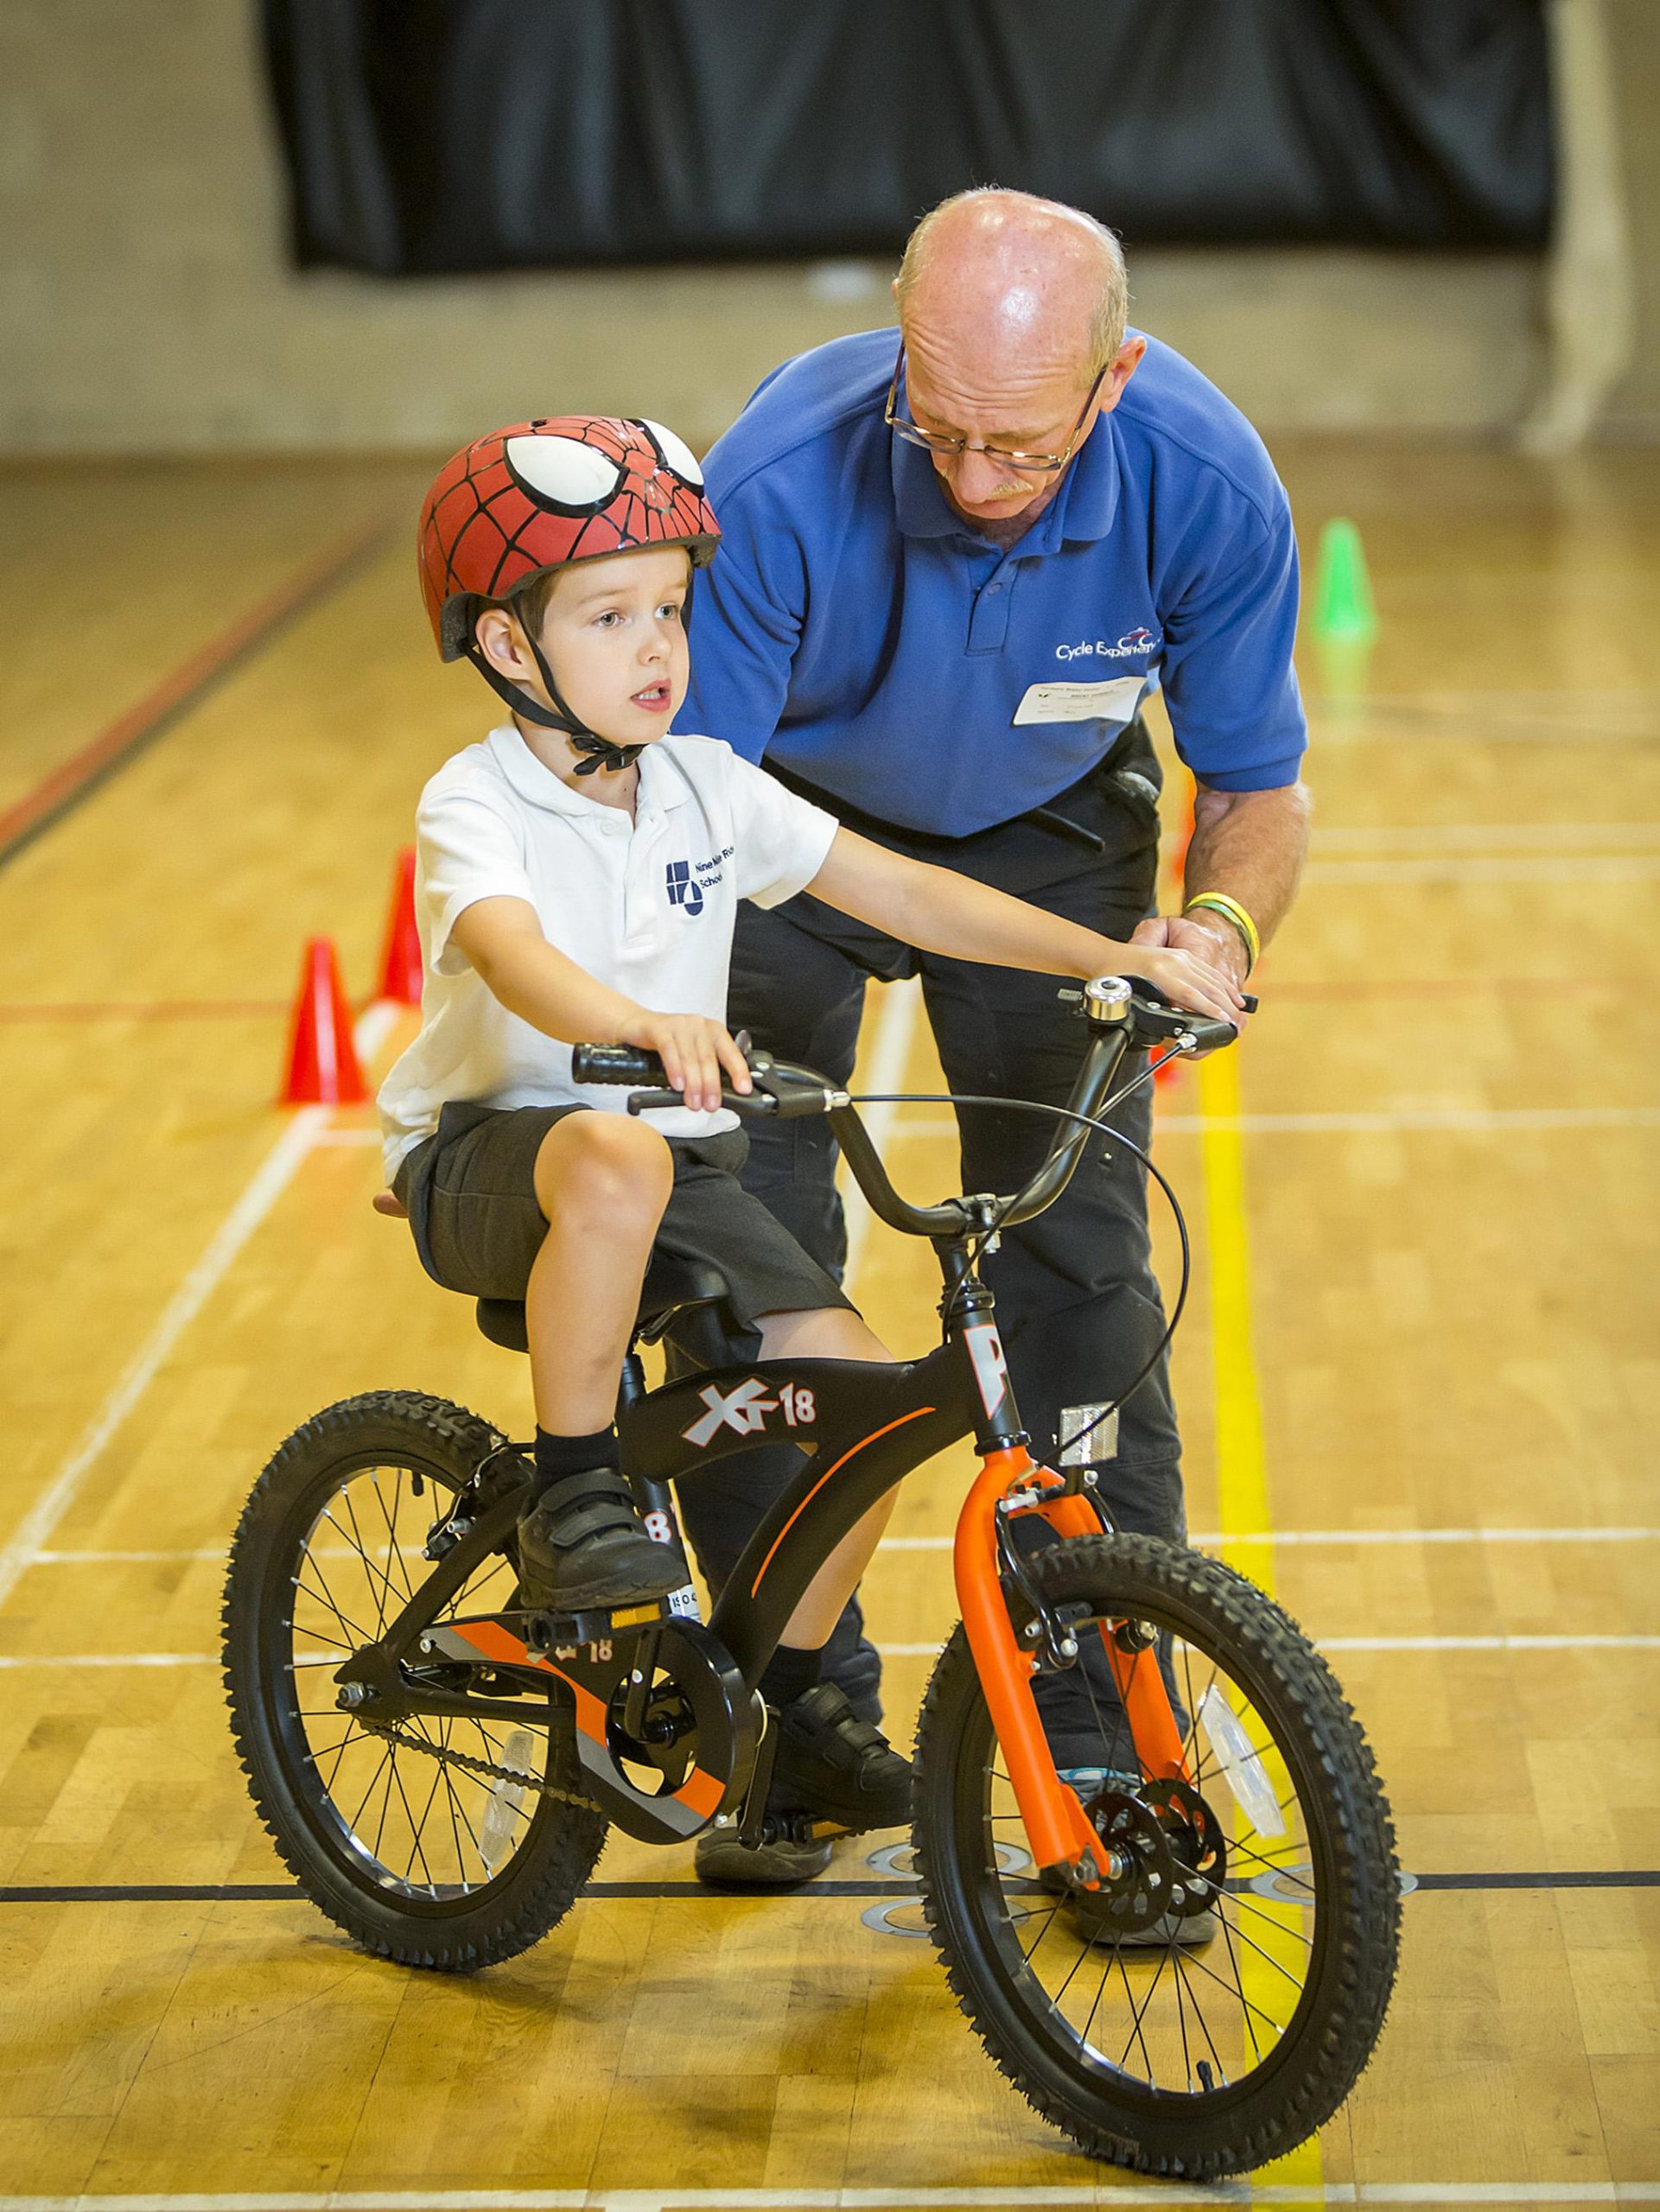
(606, 1164)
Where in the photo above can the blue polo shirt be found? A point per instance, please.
(857, 633)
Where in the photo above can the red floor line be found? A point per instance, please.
(72, 780)
(142, 1010)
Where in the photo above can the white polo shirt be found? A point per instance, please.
(646, 906)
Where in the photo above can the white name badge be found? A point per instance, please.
(1113, 701)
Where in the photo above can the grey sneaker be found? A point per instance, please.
(1086, 1915)
(722, 1861)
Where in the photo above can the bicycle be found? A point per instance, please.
(438, 1766)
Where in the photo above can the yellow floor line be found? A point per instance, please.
(1245, 1517)
(1241, 1468)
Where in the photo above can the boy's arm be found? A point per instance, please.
(938, 910)
(502, 941)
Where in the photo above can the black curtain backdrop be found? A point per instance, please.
(433, 136)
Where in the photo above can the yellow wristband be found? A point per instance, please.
(1231, 910)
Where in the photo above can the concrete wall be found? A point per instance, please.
(146, 304)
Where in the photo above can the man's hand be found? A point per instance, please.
(1209, 935)
(693, 1050)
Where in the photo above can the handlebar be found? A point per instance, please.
(1122, 1015)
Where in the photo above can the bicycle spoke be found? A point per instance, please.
(1199, 2014)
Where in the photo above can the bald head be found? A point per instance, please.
(1012, 310)
(1016, 276)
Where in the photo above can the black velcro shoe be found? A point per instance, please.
(833, 1766)
(582, 1546)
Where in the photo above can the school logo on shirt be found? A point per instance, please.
(683, 889)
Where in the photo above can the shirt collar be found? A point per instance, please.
(1083, 510)
(661, 781)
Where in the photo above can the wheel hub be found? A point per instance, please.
(1139, 1886)
(1195, 1839)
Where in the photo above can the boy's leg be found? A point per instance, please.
(602, 1182)
(834, 1332)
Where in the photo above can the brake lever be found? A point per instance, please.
(651, 1102)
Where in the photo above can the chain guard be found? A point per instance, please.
(696, 1753)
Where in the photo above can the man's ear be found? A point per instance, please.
(498, 639)
(1125, 363)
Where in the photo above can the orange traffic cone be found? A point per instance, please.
(400, 960)
(322, 1063)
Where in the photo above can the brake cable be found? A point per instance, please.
(992, 1228)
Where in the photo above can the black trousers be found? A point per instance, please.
(1077, 1305)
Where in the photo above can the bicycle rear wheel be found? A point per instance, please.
(415, 1855)
(1217, 2000)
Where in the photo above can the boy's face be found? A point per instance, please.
(615, 639)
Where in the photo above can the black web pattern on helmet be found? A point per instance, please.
(494, 499)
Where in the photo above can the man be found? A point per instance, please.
(952, 570)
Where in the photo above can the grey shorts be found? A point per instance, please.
(470, 1193)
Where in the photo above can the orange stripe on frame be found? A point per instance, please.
(851, 1454)
(495, 1642)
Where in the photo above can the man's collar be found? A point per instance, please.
(1083, 510)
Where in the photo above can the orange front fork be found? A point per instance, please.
(1055, 1820)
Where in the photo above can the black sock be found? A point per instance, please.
(789, 1673)
(573, 1455)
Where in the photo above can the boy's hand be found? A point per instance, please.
(694, 1051)
(1188, 977)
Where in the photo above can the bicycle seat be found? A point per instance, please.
(673, 1285)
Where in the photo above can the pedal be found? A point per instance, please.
(567, 1632)
(799, 1827)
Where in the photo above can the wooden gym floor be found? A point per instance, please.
(1420, 1385)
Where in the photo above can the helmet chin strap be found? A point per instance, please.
(599, 751)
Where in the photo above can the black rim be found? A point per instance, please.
(400, 1823)
(1165, 2023)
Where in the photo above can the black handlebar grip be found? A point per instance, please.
(617, 1064)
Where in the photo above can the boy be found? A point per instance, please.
(578, 877)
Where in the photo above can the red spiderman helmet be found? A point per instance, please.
(543, 494)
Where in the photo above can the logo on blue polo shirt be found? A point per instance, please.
(683, 890)
(1132, 644)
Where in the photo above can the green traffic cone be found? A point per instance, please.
(1343, 612)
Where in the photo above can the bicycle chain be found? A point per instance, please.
(390, 1733)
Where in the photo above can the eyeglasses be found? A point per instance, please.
(1036, 464)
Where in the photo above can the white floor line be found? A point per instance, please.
(1458, 1119)
(272, 1177)
(123, 1559)
(1203, 1538)
(1473, 869)
(21, 1659)
(1464, 836)
(1083, 2196)
(1390, 1644)
(889, 1055)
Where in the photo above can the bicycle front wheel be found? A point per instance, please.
(1216, 2000)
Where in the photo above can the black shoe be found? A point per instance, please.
(833, 1766)
(582, 1546)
